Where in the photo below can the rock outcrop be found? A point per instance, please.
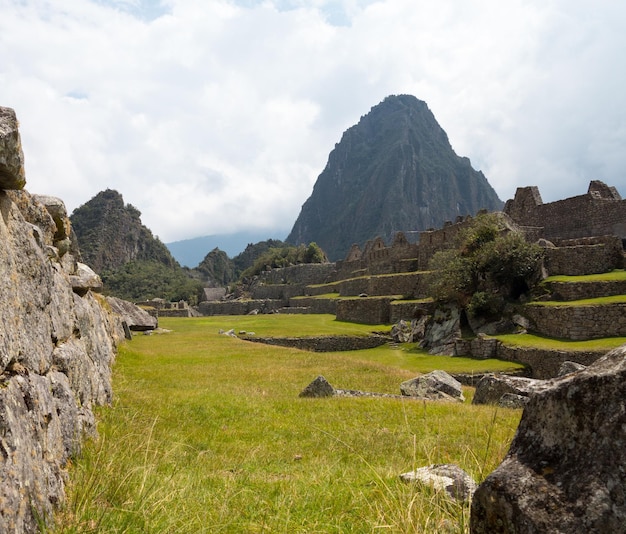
(493, 386)
(565, 471)
(447, 477)
(12, 175)
(135, 318)
(56, 349)
(436, 385)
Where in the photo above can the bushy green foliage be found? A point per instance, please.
(490, 264)
(276, 257)
(146, 280)
(253, 251)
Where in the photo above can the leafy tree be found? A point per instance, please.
(491, 263)
(146, 280)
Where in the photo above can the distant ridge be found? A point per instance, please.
(191, 252)
(393, 171)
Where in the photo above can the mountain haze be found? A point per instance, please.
(393, 171)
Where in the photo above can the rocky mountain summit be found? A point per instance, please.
(110, 234)
(393, 171)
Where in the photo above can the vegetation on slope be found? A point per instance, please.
(134, 265)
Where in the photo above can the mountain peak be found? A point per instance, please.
(393, 171)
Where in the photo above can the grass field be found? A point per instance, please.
(207, 434)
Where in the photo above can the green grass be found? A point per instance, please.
(207, 434)
(616, 275)
(286, 325)
(410, 301)
(323, 296)
(530, 340)
(614, 299)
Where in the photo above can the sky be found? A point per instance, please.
(217, 116)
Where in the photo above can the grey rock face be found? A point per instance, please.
(12, 175)
(84, 279)
(512, 400)
(318, 388)
(436, 385)
(409, 332)
(56, 351)
(442, 330)
(566, 469)
(492, 387)
(570, 367)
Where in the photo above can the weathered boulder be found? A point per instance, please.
(436, 385)
(513, 401)
(446, 477)
(566, 470)
(84, 279)
(570, 367)
(320, 387)
(409, 332)
(442, 330)
(12, 175)
(36, 214)
(57, 210)
(491, 387)
(136, 318)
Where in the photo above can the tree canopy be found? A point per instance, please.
(491, 264)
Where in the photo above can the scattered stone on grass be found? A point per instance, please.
(444, 477)
(436, 385)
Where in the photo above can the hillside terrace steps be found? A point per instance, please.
(580, 308)
(571, 290)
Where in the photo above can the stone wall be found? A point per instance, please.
(585, 256)
(324, 343)
(410, 309)
(378, 258)
(577, 322)
(367, 310)
(57, 346)
(567, 291)
(314, 305)
(412, 285)
(239, 307)
(432, 241)
(277, 291)
(599, 212)
(304, 274)
(542, 363)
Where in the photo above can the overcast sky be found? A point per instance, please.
(216, 116)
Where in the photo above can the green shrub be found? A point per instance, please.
(491, 263)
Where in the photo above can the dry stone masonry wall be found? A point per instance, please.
(57, 344)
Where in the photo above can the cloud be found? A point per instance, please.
(215, 117)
